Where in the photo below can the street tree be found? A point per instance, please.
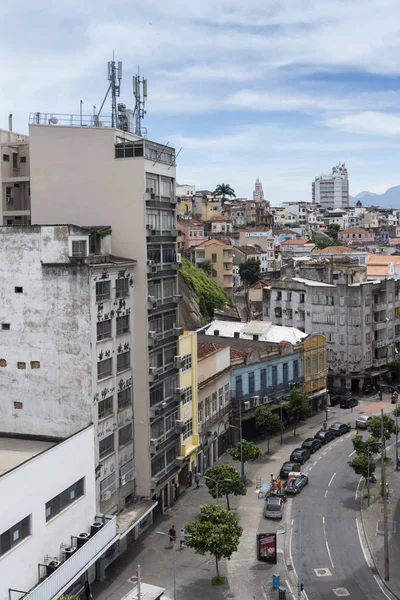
(207, 266)
(224, 190)
(360, 464)
(333, 230)
(250, 272)
(220, 473)
(217, 532)
(394, 368)
(374, 427)
(250, 451)
(298, 407)
(268, 422)
(361, 446)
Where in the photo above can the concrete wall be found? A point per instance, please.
(25, 491)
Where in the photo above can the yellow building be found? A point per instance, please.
(315, 371)
(184, 207)
(220, 253)
(188, 405)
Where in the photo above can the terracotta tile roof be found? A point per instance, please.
(377, 271)
(286, 231)
(259, 284)
(212, 241)
(239, 354)
(335, 250)
(218, 219)
(354, 230)
(383, 259)
(296, 242)
(248, 250)
(205, 349)
(254, 229)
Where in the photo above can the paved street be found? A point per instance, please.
(328, 514)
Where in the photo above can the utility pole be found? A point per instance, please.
(397, 430)
(385, 511)
(241, 438)
(299, 585)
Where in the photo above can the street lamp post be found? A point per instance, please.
(281, 406)
(174, 557)
(397, 432)
(369, 482)
(217, 482)
(241, 439)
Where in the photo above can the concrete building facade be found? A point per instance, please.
(221, 256)
(331, 191)
(15, 201)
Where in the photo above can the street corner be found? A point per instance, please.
(374, 407)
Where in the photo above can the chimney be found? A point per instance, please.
(10, 122)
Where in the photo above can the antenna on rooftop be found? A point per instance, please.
(114, 77)
(140, 94)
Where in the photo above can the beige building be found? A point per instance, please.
(15, 201)
(221, 255)
(106, 175)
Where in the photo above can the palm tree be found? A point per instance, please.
(224, 189)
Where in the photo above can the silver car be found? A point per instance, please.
(362, 421)
(273, 508)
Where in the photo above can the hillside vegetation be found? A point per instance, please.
(210, 294)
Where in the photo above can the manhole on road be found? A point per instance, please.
(323, 572)
(341, 592)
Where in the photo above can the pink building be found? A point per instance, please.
(192, 231)
(356, 234)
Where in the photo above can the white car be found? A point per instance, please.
(362, 421)
(273, 508)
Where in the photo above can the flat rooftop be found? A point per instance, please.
(15, 451)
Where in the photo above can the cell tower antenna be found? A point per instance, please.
(114, 77)
(140, 94)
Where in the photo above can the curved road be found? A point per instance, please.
(333, 563)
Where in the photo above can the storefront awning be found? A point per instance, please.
(317, 394)
(130, 517)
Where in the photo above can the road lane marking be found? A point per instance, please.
(326, 543)
(331, 479)
(381, 587)
(350, 455)
(326, 493)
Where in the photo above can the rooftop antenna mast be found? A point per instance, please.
(114, 77)
(140, 93)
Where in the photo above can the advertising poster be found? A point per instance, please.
(266, 547)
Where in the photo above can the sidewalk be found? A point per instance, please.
(372, 520)
(245, 575)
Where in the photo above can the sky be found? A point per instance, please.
(276, 89)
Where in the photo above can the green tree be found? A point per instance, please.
(220, 473)
(394, 368)
(267, 422)
(224, 190)
(360, 464)
(250, 271)
(361, 446)
(207, 266)
(250, 451)
(67, 597)
(374, 427)
(333, 230)
(217, 532)
(298, 407)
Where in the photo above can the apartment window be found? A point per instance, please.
(301, 298)
(307, 367)
(103, 330)
(170, 420)
(6, 157)
(105, 407)
(123, 361)
(367, 338)
(103, 290)
(213, 273)
(169, 321)
(263, 380)
(214, 402)
(187, 429)
(3, 362)
(108, 484)
(5, 326)
(251, 383)
(125, 435)
(220, 398)
(15, 160)
(169, 287)
(122, 287)
(22, 159)
(200, 414)
(122, 324)
(157, 465)
(295, 369)
(125, 398)
(13, 536)
(274, 376)
(104, 368)
(341, 339)
(367, 319)
(314, 364)
(226, 393)
(213, 257)
(285, 373)
(289, 296)
(208, 407)
(168, 253)
(171, 454)
(63, 500)
(186, 362)
(156, 395)
(21, 365)
(79, 248)
(106, 446)
(239, 386)
(187, 395)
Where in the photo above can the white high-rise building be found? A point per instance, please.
(332, 191)
(258, 193)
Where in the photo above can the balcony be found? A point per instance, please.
(380, 343)
(379, 362)
(379, 325)
(379, 306)
(63, 577)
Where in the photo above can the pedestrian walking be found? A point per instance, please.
(197, 478)
(182, 539)
(88, 591)
(172, 536)
(380, 395)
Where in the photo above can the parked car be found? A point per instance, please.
(339, 429)
(273, 507)
(300, 455)
(348, 402)
(295, 483)
(324, 436)
(312, 444)
(362, 421)
(335, 399)
(287, 467)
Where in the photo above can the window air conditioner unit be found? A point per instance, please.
(173, 200)
(149, 190)
(178, 258)
(177, 363)
(153, 446)
(152, 370)
(152, 335)
(105, 496)
(152, 196)
(178, 391)
(150, 263)
(256, 400)
(246, 405)
(179, 425)
(265, 399)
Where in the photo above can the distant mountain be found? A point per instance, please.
(390, 198)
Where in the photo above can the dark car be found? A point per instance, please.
(311, 444)
(348, 402)
(288, 467)
(339, 429)
(300, 455)
(324, 436)
(335, 399)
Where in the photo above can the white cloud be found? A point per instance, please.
(371, 123)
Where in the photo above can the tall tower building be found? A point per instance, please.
(332, 191)
(258, 193)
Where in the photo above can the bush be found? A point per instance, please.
(210, 294)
